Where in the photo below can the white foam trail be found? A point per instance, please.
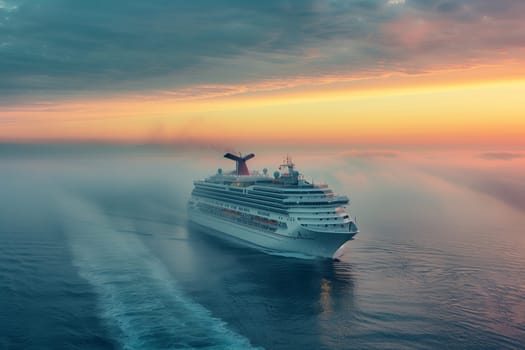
(137, 296)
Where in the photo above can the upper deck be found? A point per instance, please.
(280, 191)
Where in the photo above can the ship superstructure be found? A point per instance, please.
(283, 212)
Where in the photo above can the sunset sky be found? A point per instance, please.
(376, 72)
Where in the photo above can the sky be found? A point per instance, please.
(233, 72)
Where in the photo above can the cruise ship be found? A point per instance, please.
(282, 213)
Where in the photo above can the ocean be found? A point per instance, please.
(95, 253)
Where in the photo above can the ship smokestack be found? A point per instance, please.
(241, 167)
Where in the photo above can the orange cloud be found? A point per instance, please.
(460, 106)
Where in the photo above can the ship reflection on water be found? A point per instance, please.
(338, 308)
(324, 297)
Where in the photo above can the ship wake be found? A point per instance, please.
(138, 299)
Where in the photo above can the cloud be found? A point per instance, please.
(370, 154)
(65, 46)
(501, 155)
(396, 2)
(503, 183)
(508, 190)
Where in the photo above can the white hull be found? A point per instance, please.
(295, 239)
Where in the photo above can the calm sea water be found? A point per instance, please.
(95, 254)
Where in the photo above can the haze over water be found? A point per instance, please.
(95, 253)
